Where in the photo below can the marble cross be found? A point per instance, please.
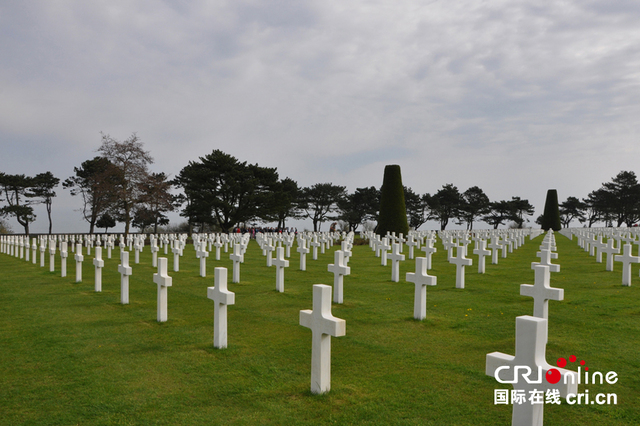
(494, 246)
(237, 257)
(460, 261)
(481, 251)
(610, 249)
(163, 281)
(428, 250)
(421, 280)
(64, 253)
(529, 371)
(545, 259)
(627, 259)
(99, 264)
(323, 325)
(79, 258)
(541, 292)
(222, 297)
(52, 255)
(280, 263)
(339, 270)
(395, 257)
(202, 254)
(125, 272)
(303, 250)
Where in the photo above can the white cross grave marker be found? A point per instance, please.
(460, 261)
(411, 242)
(421, 280)
(280, 262)
(610, 249)
(345, 247)
(530, 361)
(323, 325)
(448, 246)
(384, 248)
(222, 297)
(164, 281)
(494, 246)
(42, 250)
(177, 252)
(52, 255)
(303, 250)
(137, 248)
(237, 257)
(202, 254)
(598, 245)
(627, 259)
(428, 250)
(125, 272)
(541, 292)
(217, 244)
(315, 244)
(269, 247)
(506, 246)
(63, 259)
(154, 253)
(545, 259)
(395, 257)
(79, 258)
(339, 270)
(99, 264)
(481, 251)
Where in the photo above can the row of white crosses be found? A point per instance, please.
(320, 320)
(511, 239)
(238, 241)
(422, 279)
(531, 343)
(319, 371)
(75, 242)
(591, 240)
(270, 242)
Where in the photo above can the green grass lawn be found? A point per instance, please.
(71, 356)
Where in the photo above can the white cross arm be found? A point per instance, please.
(548, 293)
(162, 280)
(125, 270)
(339, 269)
(221, 296)
(320, 319)
(531, 341)
(330, 325)
(496, 360)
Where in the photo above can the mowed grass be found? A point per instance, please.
(69, 355)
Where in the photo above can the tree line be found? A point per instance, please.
(615, 203)
(219, 192)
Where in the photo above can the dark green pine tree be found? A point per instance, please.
(551, 216)
(393, 212)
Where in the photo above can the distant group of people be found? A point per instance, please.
(254, 230)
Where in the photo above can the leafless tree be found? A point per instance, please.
(132, 161)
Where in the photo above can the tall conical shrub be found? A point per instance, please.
(551, 216)
(393, 212)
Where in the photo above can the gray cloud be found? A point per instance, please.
(515, 97)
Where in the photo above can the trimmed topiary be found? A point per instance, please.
(393, 212)
(551, 216)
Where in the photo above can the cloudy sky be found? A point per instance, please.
(512, 96)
